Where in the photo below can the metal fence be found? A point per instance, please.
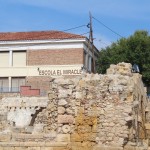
(17, 90)
(7, 89)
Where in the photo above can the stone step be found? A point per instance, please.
(148, 107)
(147, 126)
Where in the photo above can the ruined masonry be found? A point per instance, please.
(88, 112)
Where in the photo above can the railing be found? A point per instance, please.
(9, 90)
(17, 90)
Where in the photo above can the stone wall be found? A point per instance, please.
(91, 111)
(10, 94)
(107, 109)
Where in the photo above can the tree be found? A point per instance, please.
(134, 50)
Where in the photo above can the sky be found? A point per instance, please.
(112, 19)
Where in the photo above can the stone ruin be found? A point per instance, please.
(88, 112)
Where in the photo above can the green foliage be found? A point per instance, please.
(134, 50)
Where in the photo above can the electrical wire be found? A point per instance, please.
(108, 27)
(75, 28)
(65, 30)
(58, 32)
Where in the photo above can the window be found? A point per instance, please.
(16, 83)
(4, 85)
(4, 59)
(19, 58)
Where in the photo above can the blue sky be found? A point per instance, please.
(124, 17)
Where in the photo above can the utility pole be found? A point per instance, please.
(91, 41)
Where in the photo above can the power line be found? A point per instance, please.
(75, 28)
(58, 32)
(108, 27)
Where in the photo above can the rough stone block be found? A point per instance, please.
(128, 147)
(84, 129)
(5, 137)
(14, 144)
(61, 110)
(63, 137)
(33, 148)
(82, 83)
(65, 119)
(62, 102)
(62, 94)
(21, 148)
(55, 144)
(51, 96)
(50, 135)
(60, 148)
(107, 148)
(46, 148)
(8, 148)
(31, 144)
(75, 137)
(3, 117)
(69, 110)
(79, 95)
(66, 129)
(148, 148)
(129, 118)
(147, 126)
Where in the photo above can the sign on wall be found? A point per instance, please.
(58, 72)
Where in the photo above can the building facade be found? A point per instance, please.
(32, 58)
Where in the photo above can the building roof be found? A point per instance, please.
(37, 35)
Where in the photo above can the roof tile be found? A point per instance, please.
(37, 35)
